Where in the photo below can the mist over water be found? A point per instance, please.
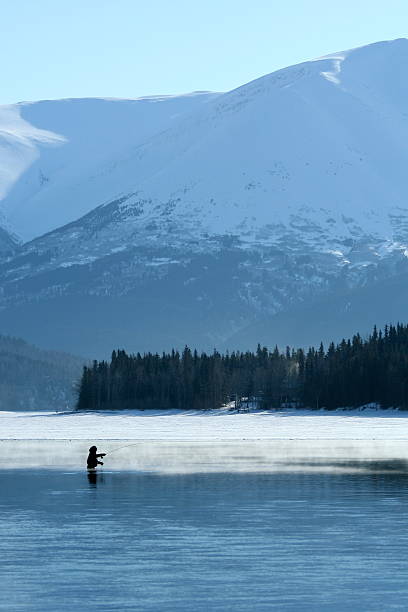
(186, 457)
(333, 537)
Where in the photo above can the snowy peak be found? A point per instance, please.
(318, 145)
(377, 70)
(317, 150)
(59, 159)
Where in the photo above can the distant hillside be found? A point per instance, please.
(33, 379)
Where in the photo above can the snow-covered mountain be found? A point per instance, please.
(210, 215)
(54, 153)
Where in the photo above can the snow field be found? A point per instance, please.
(217, 425)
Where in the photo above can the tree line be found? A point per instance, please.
(351, 373)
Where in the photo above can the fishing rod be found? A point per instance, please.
(121, 447)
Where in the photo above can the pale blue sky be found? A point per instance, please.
(129, 48)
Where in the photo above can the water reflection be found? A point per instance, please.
(301, 540)
(95, 477)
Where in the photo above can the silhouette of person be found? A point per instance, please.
(92, 460)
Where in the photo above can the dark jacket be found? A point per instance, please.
(92, 460)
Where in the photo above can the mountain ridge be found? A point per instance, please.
(258, 202)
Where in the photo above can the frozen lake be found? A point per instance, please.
(288, 526)
(207, 425)
(204, 512)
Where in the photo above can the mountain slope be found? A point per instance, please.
(261, 204)
(31, 379)
(8, 242)
(53, 152)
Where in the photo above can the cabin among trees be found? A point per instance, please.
(352, 373)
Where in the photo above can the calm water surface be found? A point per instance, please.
(203, 542)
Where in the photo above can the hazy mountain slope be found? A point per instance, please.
(330, 318)
(54, 153)
(8, 242)
(147, 320)
(261, 205)
(32, 379)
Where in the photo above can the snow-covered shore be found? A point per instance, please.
(212, 426)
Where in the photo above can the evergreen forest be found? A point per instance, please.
(352, 373)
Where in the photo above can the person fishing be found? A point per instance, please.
(93, 456)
